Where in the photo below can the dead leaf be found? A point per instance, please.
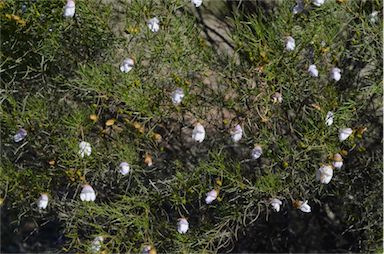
(316, 106)
(157, 137)
(93, 117)
(148, 160)
(110, 122)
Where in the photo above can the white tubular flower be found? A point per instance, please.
(127, 65)
(85, 149)
(87, 193)
(154, 24)
(329, 118)
(299, 7)
(318, 2)
(324, 174)
(237, 133)
(290, 43)
(313, 71)
(96, 244)
(198, 133)
(124, 168)
(182, 226)
(303, 206)
(335, 74)
(276, 203)
(277, 98)
(42, 202)
(177, 96)
(337, 161)
(197, 3)
(20, 135)
(256, 152)
(69, 9)
(344, 134)
(211, 196)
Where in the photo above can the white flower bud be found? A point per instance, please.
(198, 133)
(344, 134)
(337, 161)
(69, 9)
(177, 96)
(290, 44)
(124, 168)
(313, 71)
(335, 74)
(154, 24)
(318, 2)
(256, 152)
(324, 174)
(84, 149)
(42, 202)
(303, 206)
(96, 244)
(237, 133)
(329, 118)
(20, 135)
(276, 203)
(197, 3)
(211, 196)
(87, 193)
(182, 226)
(127, 65)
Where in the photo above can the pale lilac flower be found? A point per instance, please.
(299, 7)
(373, 17)
(197, 3)
(324, 174)
(335, 74)
(96, 244)
(318, 2)
(85, 149)
(329, 118)
(69, 9)
(290, 43)
(344, 134)
(256, 152)
(198, 133)
(154, 24)
(148, 249)
(127, 65)
(276, 203)
(337, 161)
(237, 133)
(42, 202)
(211, 196)
(20, 135)
(124, 168)
(277, 98)
(303, 206)
(177, 96)
(182, 226)
(87, 193)
(313, 70)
